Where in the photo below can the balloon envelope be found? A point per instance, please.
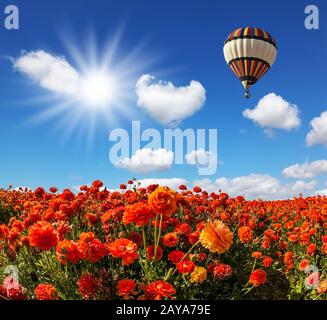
(250, 53)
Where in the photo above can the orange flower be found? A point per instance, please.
(4, 231)
(267, 261)
(322, 287)
(163, 201)
(258, 277)
(125, 249)
(125, 288)
(158, 290)
(311, 249)
(43, 235)
(91, 248)
(257, 255)
(216, 237)
(303, 264)
(170, 239)
(138, 213)
(245, 234)
(185, 266)
(46, 292)
(67, 251)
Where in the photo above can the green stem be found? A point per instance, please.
(158, 239)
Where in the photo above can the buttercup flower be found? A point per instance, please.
(125, 249)
(258, 277)
(185, 266)
(46, 292)
(216, 237)
(158, 290)
(88, 286)
(222, 271)
(91, 248)
(150, 253)
(322, 287)
(42, 235)
(245, 234)
(198, 275)
(176, 256)
(67, 251)
(125, 288)
(170, 239)
(163, 201)
(138, 213)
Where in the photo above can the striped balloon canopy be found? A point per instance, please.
(250, 53)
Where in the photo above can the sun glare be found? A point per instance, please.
(102, 91)
(97, 90)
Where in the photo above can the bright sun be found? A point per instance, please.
(97, 89)
(100, 89)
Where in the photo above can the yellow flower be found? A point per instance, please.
(322, 287)
(216, 237)
(198, 275)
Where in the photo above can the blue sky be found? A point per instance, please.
(185, 40)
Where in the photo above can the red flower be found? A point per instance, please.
(46, 292)
(97, 184)
(123, 186)
(43, 235)
(176, 256)
(267, 261)
(185, 266)
(125, 249)
(4, 231)
(197, 189)
(222, 271)
(245, 234)
(53, 189)
(303, 264)
(170, 239)
(311, 249)
(183, 228)
(138, 213)
(125, 288)
(158, 290)
(258, 277)
(67, 251)
(88, 286)
(182, 187)
(163, 201)
(193, 237)
(91, 248)
(289, 259)
(150, 253)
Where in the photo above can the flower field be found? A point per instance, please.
(156, 243)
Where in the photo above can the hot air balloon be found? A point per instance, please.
(250, 53)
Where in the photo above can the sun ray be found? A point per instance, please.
(104, 90)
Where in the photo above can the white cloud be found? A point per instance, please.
(172, 183)
(306, 170)
(255, 186)
(273, 112)
(199, 157)
(167, 103)
(147, 160)
(321, 192)
(51, 72)
(318, 133)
